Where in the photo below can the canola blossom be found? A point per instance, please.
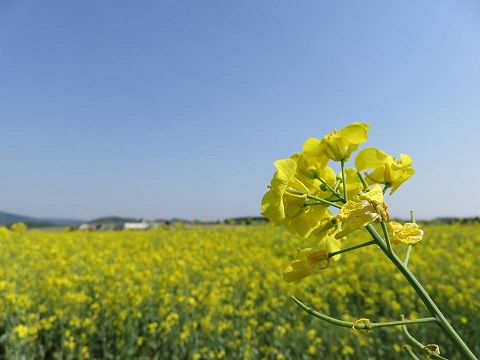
(307, 261)
(358, 200)
(408, 233)
(339, 145)
(299, 197)
(217, 293)
(387, 169)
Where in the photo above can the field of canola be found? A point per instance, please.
(217, 293)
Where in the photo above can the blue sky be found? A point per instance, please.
(162, 109)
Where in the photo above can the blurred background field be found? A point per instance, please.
(216, 292)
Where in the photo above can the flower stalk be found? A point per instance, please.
(351, 248)
(322, 201)
(424, 296)
(419, 345)
(364, 324)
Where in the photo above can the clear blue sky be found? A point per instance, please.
(162, 109)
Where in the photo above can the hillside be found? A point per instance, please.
(33, 222)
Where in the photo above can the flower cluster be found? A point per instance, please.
(305, 188)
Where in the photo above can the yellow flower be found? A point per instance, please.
(328, 225)
(338, 145)
(18, 228)
(305, 222)
(356, 215)
(284, 202)
(21, 331)
(375, 198)
(325, 235)
(284, 188)
(309, 171)
(409, 233)
(386, 169)
(330, 244)
(306, 262)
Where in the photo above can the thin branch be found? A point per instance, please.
(365, 325)
(323, 201)
(368, 243)
(419, 345)
(410, 353)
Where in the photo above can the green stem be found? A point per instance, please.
(319, 203)
(332, 190)
(367, 325)
(368, 243)
(326, 202)
(364, 183)
(412, 218)
(424, 296)
(409, 247)
(386, 187)
(407, 254)
(419, 345)
(387, 237)
(410, 353)
(344, 179)
(337, 184)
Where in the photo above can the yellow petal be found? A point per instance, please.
(305, 263)
(409, 233)
(272, 207)
(306, 223)
(297, 270)
(355, 133)
(330, 244)
(357, 223)
(285, 171)
(374, 195)
(370, 158)
(313, 147)
(351, 209)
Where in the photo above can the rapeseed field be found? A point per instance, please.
(217, 293)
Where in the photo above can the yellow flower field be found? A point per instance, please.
(217, 293)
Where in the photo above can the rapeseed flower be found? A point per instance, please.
(325, 235)
(386, 169)
(357, 214)
(21, 331)
(285, 189)
(306, 262)
(284, 202)
(409, 233)
(339, 145)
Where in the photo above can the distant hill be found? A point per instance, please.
(7, 219)
(113, 219)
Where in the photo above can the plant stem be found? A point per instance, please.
(360, 325)
(387, 237)
(364, 183)
(326, 202)
(410, 353)
(424, 296)
(407, 254)
(344, 179)
(419, 345)
(332, 190)
(368, 243)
